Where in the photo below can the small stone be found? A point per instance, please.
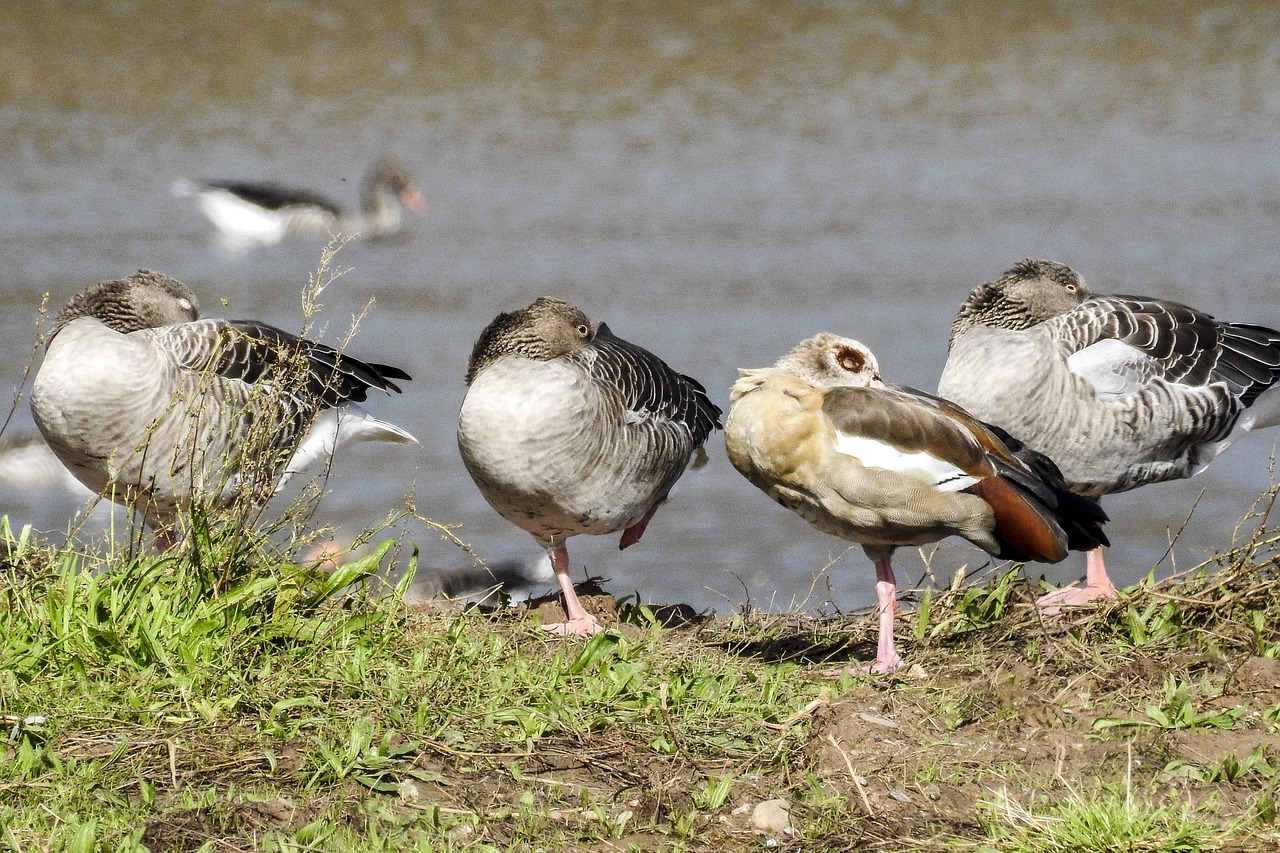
(877, 720)
(898, 795)
(409, 791)
(772, 817)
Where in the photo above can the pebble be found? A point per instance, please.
(772, 817)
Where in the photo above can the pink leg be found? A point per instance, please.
(580, 623)
(632, 534)
(887, 657)
(1096, 585)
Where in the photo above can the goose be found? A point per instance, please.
(888, 466)
(152, 406)
(247, 213)
(27, 465)
(1120, 391)
(568, 429)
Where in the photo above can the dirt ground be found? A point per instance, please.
(1001, 718)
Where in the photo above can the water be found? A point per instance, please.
(717, 181)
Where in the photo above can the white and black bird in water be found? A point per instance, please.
(888, 466)
(568, 429)
(155, 408)
(1120, 391)
(246, 213)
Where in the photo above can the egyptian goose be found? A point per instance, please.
(568, 429)
(150, 405)
(245, 213)
(888, 466)
(1119, 391)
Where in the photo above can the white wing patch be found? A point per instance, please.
(1113, 368)
(877, 454)
(239, 219)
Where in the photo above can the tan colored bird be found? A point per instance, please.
(888, 466)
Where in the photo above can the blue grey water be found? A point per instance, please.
(717, 181)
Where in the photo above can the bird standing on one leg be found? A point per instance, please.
(888, 466)
(1120, 391)
(569, 429)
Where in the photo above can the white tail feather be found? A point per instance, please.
(337, 428)
(183, 188)
(1265, 412)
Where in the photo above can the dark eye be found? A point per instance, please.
(850, 359)
(584, 330)
(1071, 288)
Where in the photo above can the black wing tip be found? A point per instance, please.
(388, 376)
(1080, 518)
(339, 377)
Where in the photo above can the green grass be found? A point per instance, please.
(1175, 711)
(159, 697)
(1105, 820)
(223, 697)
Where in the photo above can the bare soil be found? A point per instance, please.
(1000, 713)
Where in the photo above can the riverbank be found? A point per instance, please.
(144, 710)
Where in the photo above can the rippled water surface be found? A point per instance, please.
(715, 180)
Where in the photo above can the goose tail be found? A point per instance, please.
(335, 429)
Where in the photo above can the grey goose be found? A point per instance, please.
(249, 212)
(568, 429)
(153, 407)
(1120, 391)
(888, 466)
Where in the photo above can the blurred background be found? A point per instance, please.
(716, 180)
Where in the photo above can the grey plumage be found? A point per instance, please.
(648, 385)
(568, 429)
(265, 212)
(1120, 391)
(147, 403)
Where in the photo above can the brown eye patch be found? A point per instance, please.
(850, 359)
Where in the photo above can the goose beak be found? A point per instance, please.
(413, 199)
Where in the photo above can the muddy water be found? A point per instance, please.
(715, 180)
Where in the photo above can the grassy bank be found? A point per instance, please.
(224, 698)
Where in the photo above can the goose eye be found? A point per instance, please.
(850, 359)
(584, 330)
